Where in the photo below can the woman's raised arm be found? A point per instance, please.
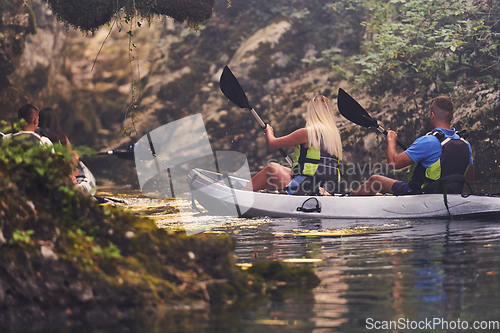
(295, 138)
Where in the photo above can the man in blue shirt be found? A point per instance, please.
(424, 154)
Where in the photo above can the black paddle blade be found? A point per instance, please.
(354, 112)
(231, 88)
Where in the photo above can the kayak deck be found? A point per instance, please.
(223, 195)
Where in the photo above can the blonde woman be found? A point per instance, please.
(317, 152)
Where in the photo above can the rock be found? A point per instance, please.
(370, 141)
(81, 292)
(243, 58)
(48, 252)
(2, 238)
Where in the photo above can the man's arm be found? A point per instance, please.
(395, 159)
(469, 175)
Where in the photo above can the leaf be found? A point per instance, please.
(40, 170)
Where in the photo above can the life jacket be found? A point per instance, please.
(316, 163)
(23, 136)
(454, 160)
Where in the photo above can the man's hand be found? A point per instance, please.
(392, 136)
(398, 161)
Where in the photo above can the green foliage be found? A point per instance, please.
(21, 236)
(30, 164)
(110, 252)
(413, 44)
(95, 261)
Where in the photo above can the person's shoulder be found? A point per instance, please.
(301, 132)
(427, 139)
(449, 133)
(45, 141)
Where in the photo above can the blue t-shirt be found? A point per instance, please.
(427, 148)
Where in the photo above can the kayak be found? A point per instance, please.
(223, 195)
(85, 180)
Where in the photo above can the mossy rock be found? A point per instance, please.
(86, 15)
(193, 11)
(89, 15)
(64, 253)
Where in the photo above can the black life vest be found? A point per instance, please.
(454, 160)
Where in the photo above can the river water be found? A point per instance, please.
(376, 275)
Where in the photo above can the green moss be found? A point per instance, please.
(277, 271)
(108, 260)
(3, 6)
(31, 18)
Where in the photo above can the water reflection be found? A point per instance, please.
(405, 271)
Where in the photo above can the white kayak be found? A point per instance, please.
(221, 195)
(85, 181)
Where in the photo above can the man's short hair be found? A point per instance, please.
(442, 106)
(27, 112)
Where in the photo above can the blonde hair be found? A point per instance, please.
(322, 132)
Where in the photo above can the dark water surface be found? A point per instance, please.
(414, 273)
(376, 275)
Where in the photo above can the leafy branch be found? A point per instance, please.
(413, 44)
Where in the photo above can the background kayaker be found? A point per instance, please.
(30, 114)
(317, 151)
(48, 126)
(426, 155)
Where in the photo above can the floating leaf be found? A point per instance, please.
(302, 260)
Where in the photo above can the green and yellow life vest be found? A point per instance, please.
(454, 159)
(316, 163)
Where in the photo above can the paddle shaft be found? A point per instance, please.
(263, 126)
(120, 153)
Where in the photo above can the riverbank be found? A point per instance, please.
(69, 263)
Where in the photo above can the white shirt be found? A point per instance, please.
(44, 141)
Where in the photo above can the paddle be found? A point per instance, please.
(121, 153)
(354, 112)
(128, 154)
(232, 89)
